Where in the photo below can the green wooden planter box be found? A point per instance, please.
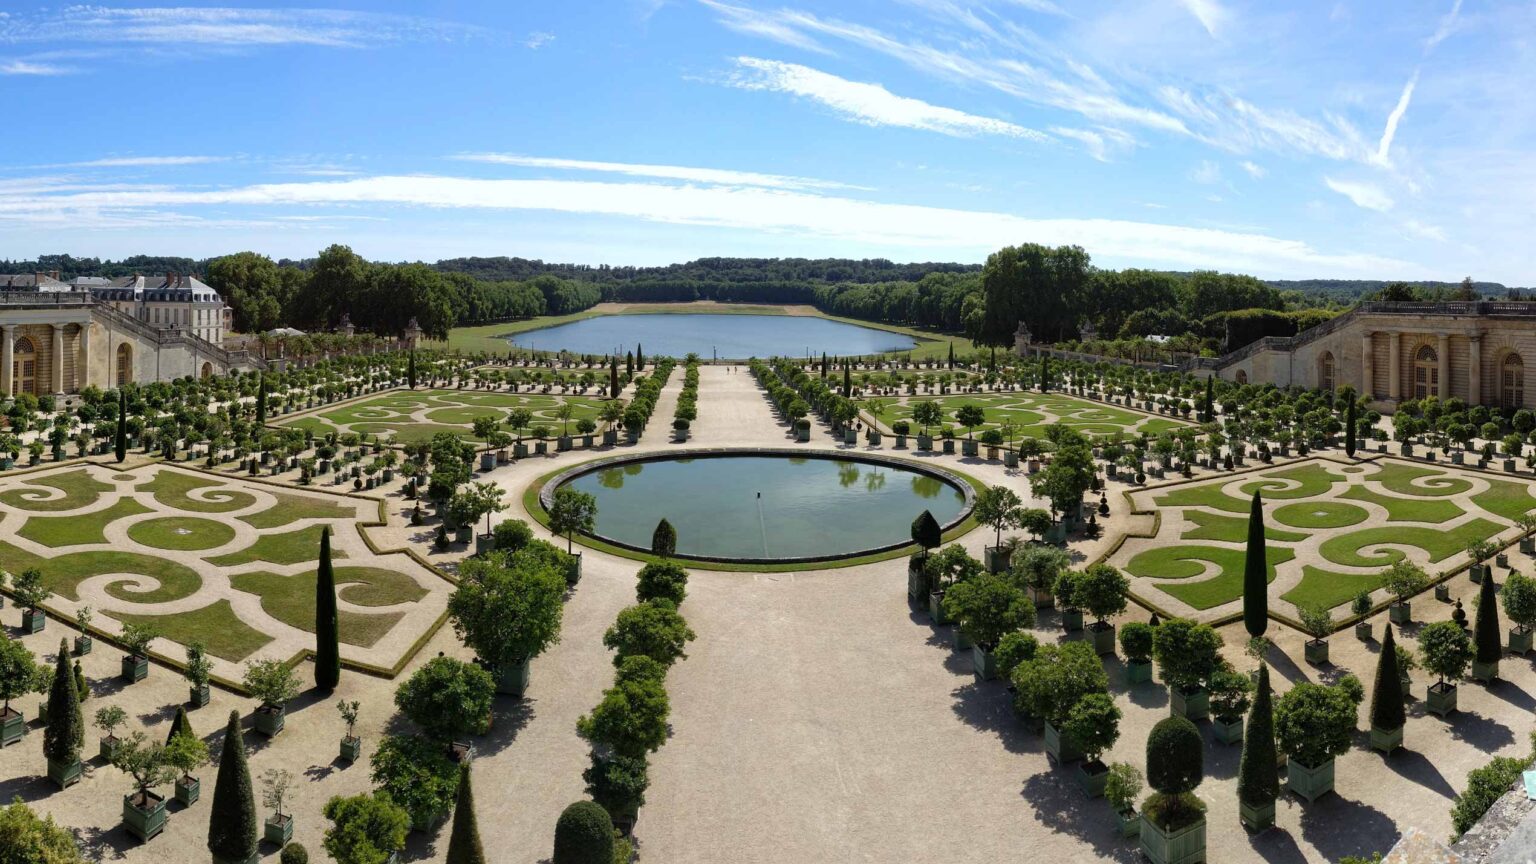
(1060, 747)
(33, 620)
(1190, 706)
(1228, 733)
(145, 822)
(1138, 672)
(106, 748)
(188, 789)
(1363, 631)
(198, 697)
(135, 669)
(1103, 639)
(1309, 783)
(83, 645)
(984, 663)
(66, 774)
(1128, 823)
(925, 442)
(1386, 740)
(351, 748)
(573, 569)
(13, 727)
(997, 559)
(1181, 846)
(1316, 651)
(278, 830)
(949, 446)
(1485, 672)
(1400, 613)
(961, 641)
(513, 680)
(269, 719)
(1257, 818)
(1071, 620)
(1442, 593)
(1520, 643)
(936, 608)
(969, 448)
(1042, 599)
(1092, 777)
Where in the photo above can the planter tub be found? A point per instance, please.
(962, 642)
(1520, 642)
(520, 451)
(1316, 651)
(1528, 545)
(917, 581)
(1138, 672)
(1485, 672)
(1128, 823)
(541, 448)
(996, 558)
(611, 438)
(1092, 778)
(279, 830)
(563, 443)
(984, 663)
(573, 569)
(1363, 631)
(901, 442)
(487, 461)
(1400, 613)
(1071, 620)
(1309, 783)
(925, 442)
(269, 719)
(949, 446)
(632, 436)
(1228, 733)
(1442, 593)
(513, 680)
(107, 748)
(1059, 747)
(1257, 818)
(1475, 573)
(351, 748)
(1042, 599)
(33, 620)
(1440, 699)
(135, 668)
(66, 774)
(1386, 740)
(147, 821)
(586, 441)
(197, 697)
(1190, 706)
(1011, 460)
(83, 645)
(803, 435)
(484, 543)
(187, 790)
(936, 608)
(1103, 638)
(874, 438)
(464, 534)
(970, 448)
(1184, 845)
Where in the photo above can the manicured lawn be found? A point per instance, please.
(1407, 509)
(181, 533)
(1030, 413)
(1184, 562)
(59, 531)
(1206, 495)
(172, 489)
(1320, 514)
(1312, 479)
(291, 547)
(216, 626)
(64, 574)
(1232, 529)
(1439, 544)
(291, 599)
(78, 486)
(1505, 498)
(1397, 477)
(292, 508)
(1324, 588)
(452, 411)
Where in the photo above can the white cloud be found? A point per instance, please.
(1446, 28)
(1426, 231)
(23, 67)
(1255, 170)
(1384, 149)
(215, 26)
(1207, 173)
(144, 161)
(1366, 195)
(538, 39)
(1101, 144)
(754, 23)
(1209, 13)
(869, 104)
(719, 176)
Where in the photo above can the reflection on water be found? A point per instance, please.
(714, 335)
(611, 478)
(926, 486)
(634, 468)
(847, 474)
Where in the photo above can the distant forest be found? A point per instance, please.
(1055, 291)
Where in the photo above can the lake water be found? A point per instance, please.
(755, 507)
(735, 337)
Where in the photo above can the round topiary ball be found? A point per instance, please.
(584, 835)
(294, 853)
(1175, 757)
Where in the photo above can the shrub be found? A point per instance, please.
(1361, 605)
(417, 775)
(662, 580)
(653, 629)
(365, 829)
(1013, 649)
(1122, 786)
(26, 838)
(512, 535)
(1093, 724)
(987, 608)
(1405, 579)
(294, 853)
(1487, 640)
(1187, 654)
(1231, 692)
(1258, 774)
(583, 835)
(1136, 641)
(1038, 567)
(1446, 649)
(1102, 590)
(508, 607)
(1486, 785)
(271, 681)
(1519, 596)
(1175, 767)
(1053, 681)
(1314, 722)
(926, 532)
(631, 719)
(449, 699)
(617, 783)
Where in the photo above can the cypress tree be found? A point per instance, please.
(664, 540)
(1258, 775)
(410, 369)
(120, 441)
(81, 687)
(1387, 691)
(1349, 429)
(639, 357)
(1045, 372)
(1255, 568)
(847, 382)
(261, 401)
(327, 648)
(951, 355)
(1485, 629)
(1208, 410)
(613, 378)
(583, 835)
(65, 734)
(232, 820)
(464, 843)
(181, 725)
(629, 362)
(823, 365)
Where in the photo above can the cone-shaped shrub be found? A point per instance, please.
(926, 532)
(232, 820)
(1255, 569)
(1349, 429)
(65, 734)
(261, 401)
(181, 725)
(664, 540)
(120, 440)
(1258, 775)
(81, 687)
(1486, 628)
(410, 370)
(464, 844)
(327, 648)
(584, 835)
(1387, 692)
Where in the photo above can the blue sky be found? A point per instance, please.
(1289, 140)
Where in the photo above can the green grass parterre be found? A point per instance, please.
(417, 416)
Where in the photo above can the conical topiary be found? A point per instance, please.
(1258, 773)
(1255, 571)
(65, 733)
(1350, 429)
(120, 440)
(1485, 629)
(327, 629)
(1387, 691)
(261, 401)
(584, 835)
(181, 725)
(664, 540)
(81, 687)
(1208, 408)
(464, 843)
(410, 369)
(232, 820)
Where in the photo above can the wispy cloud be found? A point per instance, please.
(1446, 28)
(1367, 195)
(1384, 149)
(1254, 170)
(1207, 173)
(766, 25)
(1211, 15)
(869, 104)
(719, 176)
(538, 39)
(1101, 144)
(215, 26)
(1424, 230)
(24, 67)
(142, 162)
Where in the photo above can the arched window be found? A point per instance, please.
(207, 370)
(24, 367)
(1512, 381)
(1242, 377)
(124, 364)
(1325, 371)
(1426, 373)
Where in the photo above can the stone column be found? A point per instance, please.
(1445, 365)
(58, 358)
(1367, 366)
(1475, 369)
(7, 359)
(83, 370)
(1395, 372)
